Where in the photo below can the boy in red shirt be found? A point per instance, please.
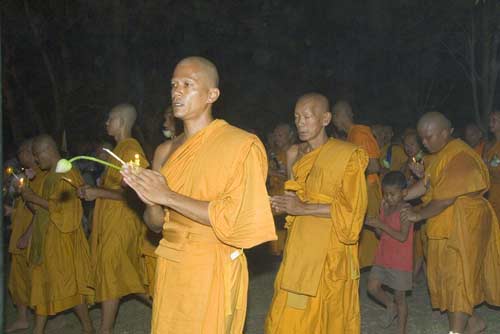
(393, 265)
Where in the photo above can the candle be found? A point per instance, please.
(10, 171)
(414, 160)
(21, 182)
(114, 155)
(69, 181)
(137, 160)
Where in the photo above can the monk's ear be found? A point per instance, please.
(327, 118)
(213, 95)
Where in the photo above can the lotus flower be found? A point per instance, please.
(168, 134)
(64, 165)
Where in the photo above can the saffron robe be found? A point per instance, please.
(463, 263)
(492, 159)
(20, 275)
(316, 289)
(396, 158)
(118, 234)
(202, 278)
(276, 187)
(362, 136)
(59, 251)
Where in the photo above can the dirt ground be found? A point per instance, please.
(134, 316)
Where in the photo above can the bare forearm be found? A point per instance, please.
(398, 235)
(317, 210)
(36, 200)
(434, 208)
(154, 217)
(415, 191)
(189, 207)
(109, 193)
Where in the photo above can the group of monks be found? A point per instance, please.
(205, 197)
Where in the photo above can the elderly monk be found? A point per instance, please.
(59, 253)
(316, 289)
(473, 135)
(362, 136)
(117, 232)
(210, 200)
(19, 284)
(284, 137)
(463, 232)
(492, 159)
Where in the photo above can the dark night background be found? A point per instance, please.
(65, 63)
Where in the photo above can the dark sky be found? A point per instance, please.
(65, 63)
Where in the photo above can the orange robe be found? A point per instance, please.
(276, 187)
(368, 243)
(118, 234)
(202, 278)
(463, 265)
(395, 159)
(151, 241)
(20, 274)
(479, 148)
(494, 168)
(316, 289)
(59, 252)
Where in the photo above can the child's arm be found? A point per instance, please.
(400, 235)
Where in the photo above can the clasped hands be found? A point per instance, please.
(289, 203)
(150, 185)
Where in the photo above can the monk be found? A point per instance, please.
(393, 156)
(210, 200)
(19, 284)
(316, 289)
(473, 136)
(118, 232)
(284, 137)
(362, 136)
(492, 159)
(59, 254)
(463, 232)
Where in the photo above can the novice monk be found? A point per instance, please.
(211, 201)
(316, 289)
(117, 232)
(284, 137)
(393, 262)
(362, 136)
(20, 275)
(492, 159)
(59, 252)
(463, 231)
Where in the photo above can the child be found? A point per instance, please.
(393, 266)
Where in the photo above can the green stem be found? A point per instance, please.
(84, 157)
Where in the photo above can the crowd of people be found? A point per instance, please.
(172, 232)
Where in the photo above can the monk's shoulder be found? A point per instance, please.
(162, 152)
(233, 135)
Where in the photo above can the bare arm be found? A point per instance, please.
(401, 235)
(29, 196)
(416, 190)
(292, 205)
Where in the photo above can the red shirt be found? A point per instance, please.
(391, 253)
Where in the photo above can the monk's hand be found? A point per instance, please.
(88, 193)
(417, 168)
(150, 185)
(289, 204)
(409, 215)
(27, 194)
(373, 222)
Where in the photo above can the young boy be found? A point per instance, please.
(393, 265)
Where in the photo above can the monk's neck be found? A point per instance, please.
(193, 126)
(318, 141)
(122, 136)
(348, 127)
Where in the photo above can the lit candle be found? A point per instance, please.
(137, 160)
(69, 181)
(414, 160)
(10, 171)
(21, 182)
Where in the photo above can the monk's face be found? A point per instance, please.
(113, 124)
(169, 122)
(282, 136)
(42, 155)
(191, 91)
(411, 145)
(310, 122)
(434, 137)
(495, 122)
(472, 135)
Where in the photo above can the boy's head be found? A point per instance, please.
(394, 187)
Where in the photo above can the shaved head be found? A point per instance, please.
(343, 107)
(127, 113)
(26, 145)
(45, 152)
(473, 134)
(45, 141)
(205, 68)
(342, 115)
(319, 102)
(436, 119)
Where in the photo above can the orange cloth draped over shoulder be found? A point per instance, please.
(118, 233)
(20, 274)
(479, 148)
(316, 289)
(202, 277)
(463, 263)
(59, 252)
(276, 187)
(492, 158)
(362, 136)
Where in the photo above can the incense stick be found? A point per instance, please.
(114, 155)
